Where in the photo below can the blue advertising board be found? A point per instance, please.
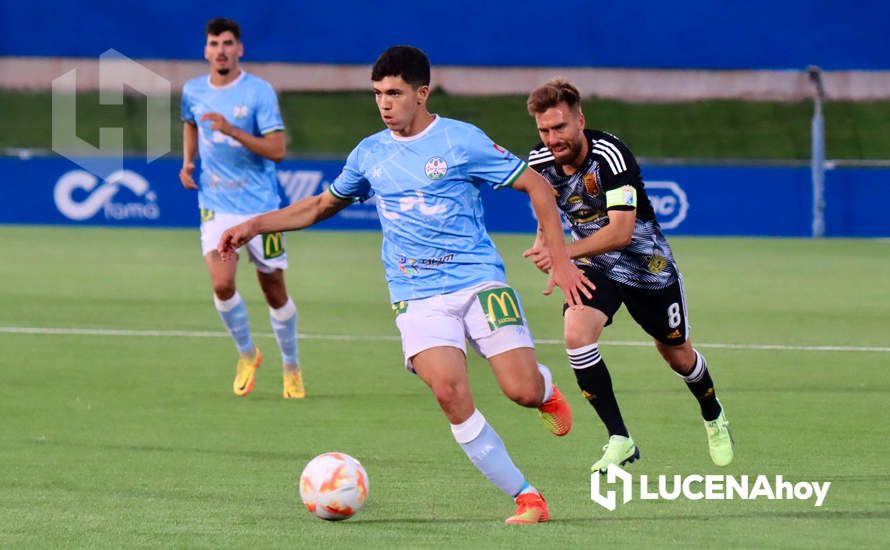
(688, 200)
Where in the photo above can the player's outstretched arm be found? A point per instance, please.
(299, 215)
(563, 272)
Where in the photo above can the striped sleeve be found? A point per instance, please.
(351, 184)
(612, 155)
(539, 156)
(268, 114)
(520, 168)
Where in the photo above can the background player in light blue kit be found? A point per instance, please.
(446, 279)
(232, 119)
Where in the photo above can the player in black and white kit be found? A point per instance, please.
(617, 242)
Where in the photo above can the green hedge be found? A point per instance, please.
(330, 124)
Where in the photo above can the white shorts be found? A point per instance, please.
(489, 315)
(266, 251)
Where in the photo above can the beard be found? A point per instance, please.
(570, 155)
(223, 72)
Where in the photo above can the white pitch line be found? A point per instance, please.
(354, 338)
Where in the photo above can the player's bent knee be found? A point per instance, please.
(449, 395)
(682, 364)
(680, 358)
(527, 398)
(577, 337)
(580, 334)
(455, 402)
(276, 300)
(526, 395)
(224, 290)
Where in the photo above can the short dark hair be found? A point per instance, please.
(552, 93)
(219, 25)
(408, 62)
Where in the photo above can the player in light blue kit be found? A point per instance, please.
(232, 120)
(446, 279)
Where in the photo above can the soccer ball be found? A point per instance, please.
(334, 486)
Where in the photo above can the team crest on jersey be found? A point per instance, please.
(657, 263)
(591, 184)
(239, 111)
(436, 168)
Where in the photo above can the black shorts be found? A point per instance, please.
(661, 312)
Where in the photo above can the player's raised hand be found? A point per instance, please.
(185, 176)
(540, 255)
(572, 281)
(234, 238)
(218, 122)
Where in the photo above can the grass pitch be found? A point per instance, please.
(120, 428)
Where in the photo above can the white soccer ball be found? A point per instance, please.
(334, 486)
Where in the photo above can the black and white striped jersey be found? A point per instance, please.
(610, 179)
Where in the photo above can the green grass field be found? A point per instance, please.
(133, 438)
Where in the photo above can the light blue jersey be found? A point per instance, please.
(233, 180)
(429, 204)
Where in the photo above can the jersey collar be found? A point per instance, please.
(418, 136)
(230, 84)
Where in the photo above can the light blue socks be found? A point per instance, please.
(487, 452)
(233, 313)
(284, 325)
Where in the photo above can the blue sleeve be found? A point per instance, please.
(268, 115)
(488, 162)
(351, 183)
(185, 108)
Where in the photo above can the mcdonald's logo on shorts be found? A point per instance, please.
(501, 307)
(273, 245)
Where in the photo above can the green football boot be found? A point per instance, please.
(619, 450)
(720, 443)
